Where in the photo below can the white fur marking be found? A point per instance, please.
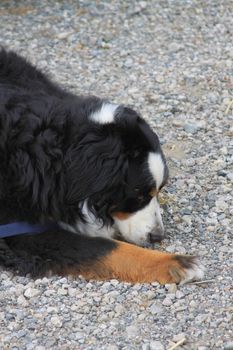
(196, 272)
(156, 167)
(92, 227)
(135, 229)
(105, 114)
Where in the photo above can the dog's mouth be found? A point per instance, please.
(142, 243)
(119, 236)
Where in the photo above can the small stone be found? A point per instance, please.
(230, 176)
(177, 122)
(22, 301)
(55, 320)
(155, 284)
(128, 63)
(132, 331)
(213, 97)
(72, 292)
(143, 4)
(64, 35)
(159, 79)
(221, 205)
(222, 173)
(114, 282)
(156, 309)
(201, 318)
(49, 292)
(50, 342)
(150, 294)
(21, 333)
(224, 150)
(156, 345)
(45, 280)
(146, 347)
(174, 47)
(178, 337)
(191, 128)
(63, 280)
(179, 294)
(119, 309)
(193, 304)
(172, 288)
(142, 316)
(31, 292)
(52, 309)
(62, 291)
(171, 248)
(228, 346)
(112, 347)
(167, 302)
(186, 211)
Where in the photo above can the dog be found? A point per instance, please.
(91, 167)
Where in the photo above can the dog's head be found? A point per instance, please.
(115, 171)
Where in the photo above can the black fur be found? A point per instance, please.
(53, 157)
(53, 251)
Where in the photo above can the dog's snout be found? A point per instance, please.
(156, 235)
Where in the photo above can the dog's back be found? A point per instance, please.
(16, 72)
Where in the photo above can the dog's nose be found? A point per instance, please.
(156, 235)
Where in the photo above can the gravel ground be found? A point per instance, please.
(173, 61)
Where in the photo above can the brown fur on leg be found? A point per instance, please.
(130, 263)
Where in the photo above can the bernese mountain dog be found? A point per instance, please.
(91, 167)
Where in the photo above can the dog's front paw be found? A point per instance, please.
(180, 269)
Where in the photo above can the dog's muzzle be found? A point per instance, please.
(157, 235)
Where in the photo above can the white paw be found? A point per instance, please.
(193, 271)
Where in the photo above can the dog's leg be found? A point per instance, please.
(64, 253)
(130, 263)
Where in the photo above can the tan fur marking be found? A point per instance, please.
(133, 264)
(154, 192)
(120, 215)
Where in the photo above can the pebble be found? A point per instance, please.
(62, 291)
(230, 176)
(172, 288)
(21, 300)
(156, 308)
(31, 292)
(56, 321)
(156, 345)
(146, 347)
(176, 338)
(132, 331)
(167, 302)
(179, 294)
(112, 347)
(191, 128)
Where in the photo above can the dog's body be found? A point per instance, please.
(91, 166)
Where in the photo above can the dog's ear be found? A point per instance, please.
(137, 136)
(94, 164)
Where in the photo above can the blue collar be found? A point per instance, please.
(22, 227)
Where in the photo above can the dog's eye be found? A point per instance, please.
(153, 193)
(140, 198)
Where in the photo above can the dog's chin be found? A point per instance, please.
(141, 243)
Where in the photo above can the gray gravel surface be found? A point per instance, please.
(173, 61)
